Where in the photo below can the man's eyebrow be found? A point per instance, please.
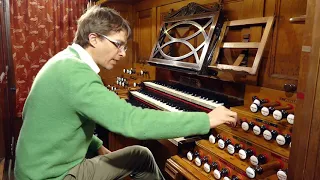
(121, 42)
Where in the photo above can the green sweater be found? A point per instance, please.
(67, 98)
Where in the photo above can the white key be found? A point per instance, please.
(176, 141)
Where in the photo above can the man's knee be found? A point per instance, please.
(142, 151)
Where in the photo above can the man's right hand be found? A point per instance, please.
(222, 115)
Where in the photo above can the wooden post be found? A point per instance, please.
(304, 161)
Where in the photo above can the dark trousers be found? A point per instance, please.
(136, 161)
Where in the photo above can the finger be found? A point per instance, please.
(231, 120)
(231, 124)
(221, 107)
(233, 114)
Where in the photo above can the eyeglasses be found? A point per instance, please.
(119, 45)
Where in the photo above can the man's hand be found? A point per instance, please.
(103, 150)
(221, 115)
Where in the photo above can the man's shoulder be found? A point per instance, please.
(67, 54)
(66, 59)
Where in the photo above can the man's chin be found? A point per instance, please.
(109, 66)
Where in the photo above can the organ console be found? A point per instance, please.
(258, 147)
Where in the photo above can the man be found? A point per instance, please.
(68, 97)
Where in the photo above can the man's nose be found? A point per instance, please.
(122, 53)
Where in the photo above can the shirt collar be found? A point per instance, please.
(86, 57)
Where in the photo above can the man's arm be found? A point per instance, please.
(90, 98)
(95, 144)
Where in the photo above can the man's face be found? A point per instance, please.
(105, 52)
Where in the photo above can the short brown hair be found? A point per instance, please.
(100, 20)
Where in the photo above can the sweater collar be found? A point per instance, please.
(86, 57)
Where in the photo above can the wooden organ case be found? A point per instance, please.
(189, 45)
(235, 54)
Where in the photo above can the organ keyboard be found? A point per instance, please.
(185, 95)
(175, 97)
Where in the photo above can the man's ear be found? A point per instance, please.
(93, 39)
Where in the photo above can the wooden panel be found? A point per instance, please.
(117, 141)
(282, 65)
(290, 35)
(144, 35)
(109, 76)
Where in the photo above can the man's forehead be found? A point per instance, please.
(120, 36)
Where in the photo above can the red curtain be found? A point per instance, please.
(39, 30)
